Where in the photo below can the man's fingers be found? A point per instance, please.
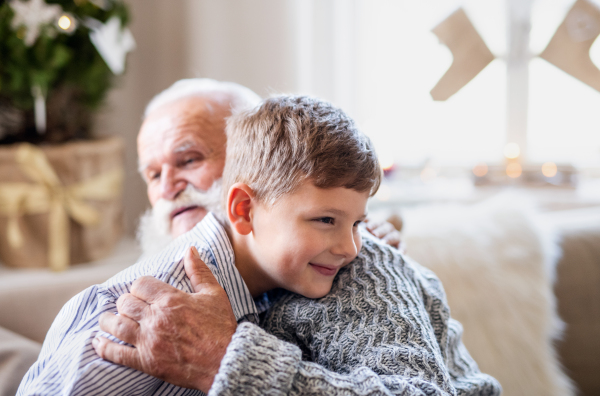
(383, 230)
(117, 353)
(120, 326)
(197, 271)
(131, 306)
(371, 224)
(393, 239)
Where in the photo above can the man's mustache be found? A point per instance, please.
(210, 199)
(154, 230)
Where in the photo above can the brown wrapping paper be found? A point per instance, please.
(75, 165)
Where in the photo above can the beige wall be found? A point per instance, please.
(243, 41)
(237, 40)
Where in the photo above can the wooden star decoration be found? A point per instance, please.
(33, 14)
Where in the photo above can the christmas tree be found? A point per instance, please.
(58, 58)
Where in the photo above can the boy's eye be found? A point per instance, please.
(356, 224)
(326, 220)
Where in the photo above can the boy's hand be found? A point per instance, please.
(386, 232)
(178, 337)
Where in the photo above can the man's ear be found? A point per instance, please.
(239, 206)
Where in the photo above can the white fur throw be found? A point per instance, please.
(497, 265)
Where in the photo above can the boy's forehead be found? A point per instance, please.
(340, 201)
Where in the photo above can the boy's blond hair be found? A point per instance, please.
(289, 139)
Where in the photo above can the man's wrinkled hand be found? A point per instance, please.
(180, 338)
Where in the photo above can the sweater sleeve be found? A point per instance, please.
(257, 363)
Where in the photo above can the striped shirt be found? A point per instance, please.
(69, 365)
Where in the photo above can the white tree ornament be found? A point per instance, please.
(112, 42)
(33, 15)
(104, 4)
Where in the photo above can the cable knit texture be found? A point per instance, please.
(384, 329)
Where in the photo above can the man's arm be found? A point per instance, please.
(68, 364)
(252, 361)
(179, 337)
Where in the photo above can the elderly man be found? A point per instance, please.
(181, 148)
(192, 340)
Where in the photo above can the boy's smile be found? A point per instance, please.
(301, 242)
(324, 270)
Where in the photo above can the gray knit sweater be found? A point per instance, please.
(384, 329)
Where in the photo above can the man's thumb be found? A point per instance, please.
(197, 270)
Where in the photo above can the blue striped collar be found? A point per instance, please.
(214, 235)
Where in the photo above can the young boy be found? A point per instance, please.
(297, 178)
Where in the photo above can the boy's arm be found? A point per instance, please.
(257, 363)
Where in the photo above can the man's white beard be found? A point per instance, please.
(154, 230)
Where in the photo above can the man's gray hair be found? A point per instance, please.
(238, 96)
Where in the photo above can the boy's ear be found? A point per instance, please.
(239, 205)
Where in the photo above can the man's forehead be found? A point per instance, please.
(177, 127)
(186, 117)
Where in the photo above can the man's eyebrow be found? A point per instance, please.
(183, 147)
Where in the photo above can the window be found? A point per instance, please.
(385, 60)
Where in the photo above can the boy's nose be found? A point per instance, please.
(170, 183)
(346, 246)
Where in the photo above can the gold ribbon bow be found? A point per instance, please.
(48, 195)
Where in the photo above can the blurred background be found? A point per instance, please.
(378, 60)
(485, 117)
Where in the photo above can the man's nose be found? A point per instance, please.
(346, 245)
(171, 184)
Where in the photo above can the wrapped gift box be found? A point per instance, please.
(60, 204)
